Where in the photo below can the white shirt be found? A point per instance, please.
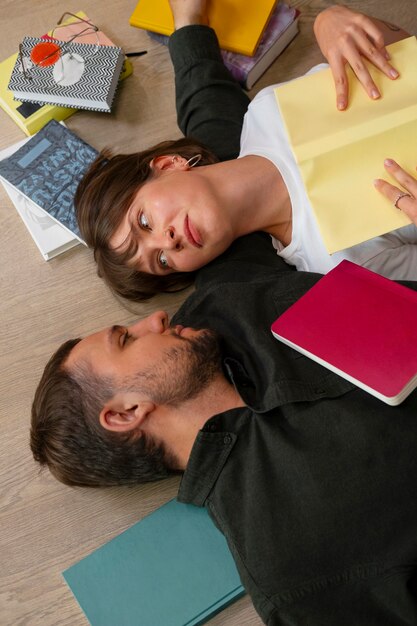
(393, 255)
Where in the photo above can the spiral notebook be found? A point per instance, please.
(361, 326)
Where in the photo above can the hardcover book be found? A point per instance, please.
(341, 153)
(31, 117)
(173, 568)
(239, 24)
(84, 75)
(280, 31)
(361, 326)
(50, 237)
(47, 170)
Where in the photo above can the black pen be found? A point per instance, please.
(136, 54)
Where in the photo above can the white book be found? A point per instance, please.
(50, 237)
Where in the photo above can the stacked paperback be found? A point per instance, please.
(247, 50)
(239, 24)
(31, 116)
(41, 176)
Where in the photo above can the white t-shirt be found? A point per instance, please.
(393, 255)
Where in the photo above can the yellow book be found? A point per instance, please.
(32, 117)
(341, 153)
(239, 24)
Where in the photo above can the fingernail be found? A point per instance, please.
(389, 162)
(376, 182)
(341, 105)
(393, 73)
(375, 94)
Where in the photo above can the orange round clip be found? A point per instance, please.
(45, 53)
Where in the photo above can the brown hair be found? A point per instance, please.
(102, 198)
(66, 434)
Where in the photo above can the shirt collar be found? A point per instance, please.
(211, 449)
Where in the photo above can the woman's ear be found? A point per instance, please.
(122, 414)
(168, 162)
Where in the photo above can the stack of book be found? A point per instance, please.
(31, 111)
(40, 175)
(251, 34)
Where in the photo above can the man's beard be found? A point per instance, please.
(186, 370)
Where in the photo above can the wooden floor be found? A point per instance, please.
(44, 526)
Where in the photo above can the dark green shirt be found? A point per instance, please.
(317, 501)
(314, 485)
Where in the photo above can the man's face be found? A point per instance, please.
(170, 364)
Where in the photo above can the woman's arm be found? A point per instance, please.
(345, 36)
(210, 103)
(404, 198)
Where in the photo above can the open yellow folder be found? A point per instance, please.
(341, 153)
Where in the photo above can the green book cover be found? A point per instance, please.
(173, 568)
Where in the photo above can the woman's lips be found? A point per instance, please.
(191, 233)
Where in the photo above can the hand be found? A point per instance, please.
(188, 12)
(345, 37)
(406, 202)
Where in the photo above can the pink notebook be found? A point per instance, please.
(361, 326)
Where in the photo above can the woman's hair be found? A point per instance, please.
(66, 434)
(102, 198)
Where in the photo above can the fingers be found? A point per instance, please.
(405, 198)
(362, 45)
(341, 83)
(354, 49)
(347, 37)
(187, 12)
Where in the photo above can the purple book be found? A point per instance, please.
(281, 29)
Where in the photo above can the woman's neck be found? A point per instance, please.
(255, 196)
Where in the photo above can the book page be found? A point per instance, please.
(341, 153)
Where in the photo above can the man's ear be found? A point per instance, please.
(123, 413)
(169, 162)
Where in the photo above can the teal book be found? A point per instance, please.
(173, 568)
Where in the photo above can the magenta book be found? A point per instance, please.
(361, 326)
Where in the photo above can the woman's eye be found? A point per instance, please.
(143, 221)
(163, 261)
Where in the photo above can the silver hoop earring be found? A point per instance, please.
(192, 161)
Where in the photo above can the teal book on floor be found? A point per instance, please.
(173, 568)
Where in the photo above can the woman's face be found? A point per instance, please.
(177, 221)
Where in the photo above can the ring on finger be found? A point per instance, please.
(398, 198)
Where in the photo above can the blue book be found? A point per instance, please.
(173, 568)
(47, 170)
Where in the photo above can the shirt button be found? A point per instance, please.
(227, 440)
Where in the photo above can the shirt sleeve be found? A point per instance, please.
(210, 103)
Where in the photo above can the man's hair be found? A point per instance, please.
(66, 434)
(102, 198)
